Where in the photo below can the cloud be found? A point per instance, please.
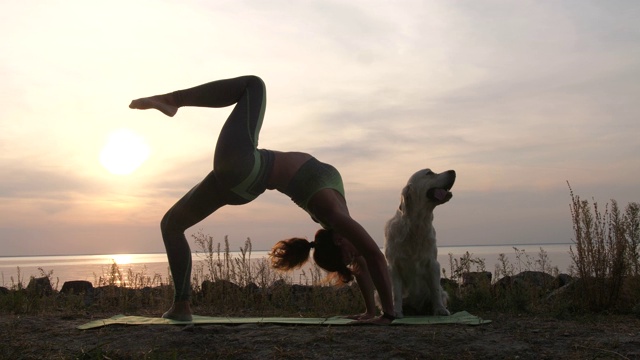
(518, 98)
(24, 180)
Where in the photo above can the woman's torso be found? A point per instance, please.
(285, 166)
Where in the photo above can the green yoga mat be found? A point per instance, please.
(462, 317)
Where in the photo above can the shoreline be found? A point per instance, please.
(91, 267)
(267, 250)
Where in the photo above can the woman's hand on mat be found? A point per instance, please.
(378, 320)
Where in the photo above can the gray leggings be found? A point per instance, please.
(240, 170)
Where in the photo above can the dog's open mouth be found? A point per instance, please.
(439, 194)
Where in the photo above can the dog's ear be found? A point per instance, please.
(405, 199)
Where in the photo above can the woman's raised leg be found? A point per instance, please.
(237, 161)
(215, 94)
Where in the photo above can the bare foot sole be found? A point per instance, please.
(154, 102)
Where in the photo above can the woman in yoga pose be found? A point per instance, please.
(241, 172)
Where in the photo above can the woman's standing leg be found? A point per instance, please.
(200, 202)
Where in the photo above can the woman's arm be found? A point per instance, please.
(330, 208)
(366, 288)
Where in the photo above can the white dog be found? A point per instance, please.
(410, 244)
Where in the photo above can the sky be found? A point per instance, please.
(519, 97)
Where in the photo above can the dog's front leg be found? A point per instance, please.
(438, 295)
(397, 291)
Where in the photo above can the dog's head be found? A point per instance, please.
(426, 189)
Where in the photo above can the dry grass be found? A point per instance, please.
(606, 254)
(605, 269)
(605, 262)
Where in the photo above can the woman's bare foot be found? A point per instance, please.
(157, 102)
(180, 311)
(363, 316)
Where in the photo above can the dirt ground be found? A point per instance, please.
(507, 337)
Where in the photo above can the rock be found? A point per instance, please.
(534, 279)
(480, 278)
(448, 284)
(77, 287)
(40, 286)
(562, 280)
(146, 291)
(252, 288)
(109, 294)
(564, 293)
(280, 283)
(525, 281)
(301, 290)
(527, 278)
(218, 288)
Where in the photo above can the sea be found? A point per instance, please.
(62, 268)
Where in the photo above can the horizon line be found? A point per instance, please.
(234, 251)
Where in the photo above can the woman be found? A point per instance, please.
(241, 172)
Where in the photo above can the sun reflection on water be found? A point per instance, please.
(122, 259)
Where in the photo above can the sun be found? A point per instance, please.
(124, 152)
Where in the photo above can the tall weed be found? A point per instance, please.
(606, 250)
